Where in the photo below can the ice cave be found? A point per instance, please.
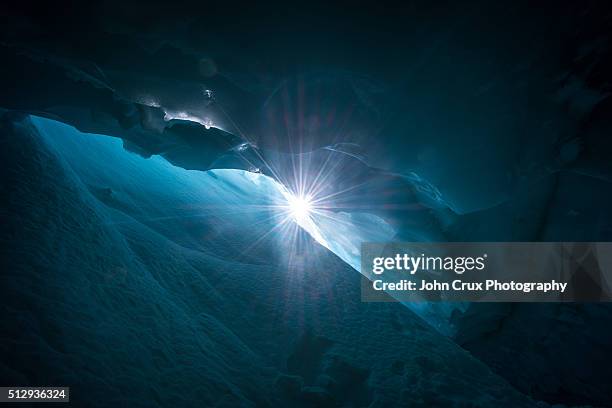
(186, 193)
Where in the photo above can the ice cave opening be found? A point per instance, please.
(126, 180)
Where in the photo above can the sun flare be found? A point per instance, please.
(300, 207)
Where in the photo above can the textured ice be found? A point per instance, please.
(240, 191)
(139, 284)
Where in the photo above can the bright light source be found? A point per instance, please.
(300, 207)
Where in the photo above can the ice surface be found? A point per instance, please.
(141, 284)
